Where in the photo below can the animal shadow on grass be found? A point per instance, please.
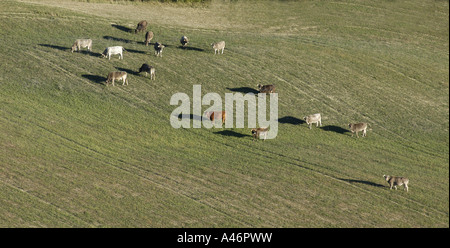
(335, 129)
(123, 28)
(107, 37)
(291, 120)
(191, 48)
(134, 51)
(90, 53)
(230, 133)
(95, 78)
(244, 90)
(190, 116)
(56, 47)
(128, 71)
(362, 182)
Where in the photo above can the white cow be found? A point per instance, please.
(218, 46)
(113, 51)
(315, 118)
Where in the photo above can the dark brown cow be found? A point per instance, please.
(270, 88)
(142, 25)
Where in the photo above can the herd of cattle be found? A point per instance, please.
(257, 133)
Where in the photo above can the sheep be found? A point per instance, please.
(218, 46)
(148, 37)
(82, 43)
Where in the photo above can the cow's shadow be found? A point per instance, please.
(95, 78)
(291, 120)
(231, 133)
(244, 90)
(123, 28)
(135, 51)
(188, 48)
(61, 48)
(90, 53)
(107, 37)
(335, 129)
(361, 182)
(190, 116)
(128, 71)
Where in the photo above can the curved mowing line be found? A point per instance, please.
(47, 203)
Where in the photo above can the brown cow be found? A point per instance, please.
(270, 88)
(142, 25)
(216, 115)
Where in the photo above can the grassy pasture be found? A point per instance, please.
(77, 153)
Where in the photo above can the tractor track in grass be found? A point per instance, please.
(41, 200)
(133, 169)
(261, 153)
(134, 166)
(318, 95)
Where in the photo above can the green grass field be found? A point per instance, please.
(77, 153)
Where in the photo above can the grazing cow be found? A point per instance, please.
(113, 51)
(148, 69)
(397, 181)
(184, 40)
(216, 115)
(258, 132)
(148, 37)
(315, 118)
(218, 46)
(142, 25)
(355, 128)
(158, 49)
(270, 88)
(82, 43)
(117, 75)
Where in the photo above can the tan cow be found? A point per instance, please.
(258, 132)
(355, 128)
(148, 37)
(117, 75)
(397, 181)
(82, 43)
